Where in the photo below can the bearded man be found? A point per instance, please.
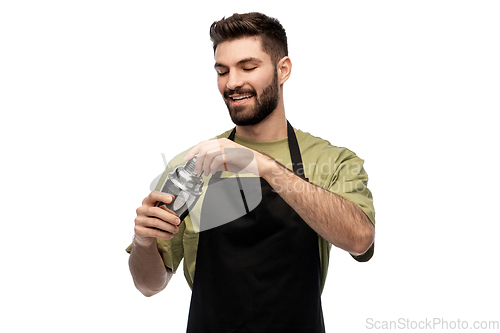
(262, 270)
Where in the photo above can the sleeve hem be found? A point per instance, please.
(365, 256)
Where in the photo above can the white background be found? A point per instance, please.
(92, 92)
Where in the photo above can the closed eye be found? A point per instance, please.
(249, 69)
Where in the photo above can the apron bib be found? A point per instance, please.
(260, 272)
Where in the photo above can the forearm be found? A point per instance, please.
(334, 218)
(147, 268)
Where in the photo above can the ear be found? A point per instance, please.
(284, 69)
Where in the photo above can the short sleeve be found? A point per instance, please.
(350, 181)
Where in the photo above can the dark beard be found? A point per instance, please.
(264, 105)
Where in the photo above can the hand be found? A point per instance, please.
(155, 222)
(226, 155)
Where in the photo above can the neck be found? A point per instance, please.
(274, 127)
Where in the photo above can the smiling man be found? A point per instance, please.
(265, 270)
(238, 98)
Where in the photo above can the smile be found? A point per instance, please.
(240, 99)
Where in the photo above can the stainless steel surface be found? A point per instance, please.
(186, 187)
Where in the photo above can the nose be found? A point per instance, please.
(234, 81)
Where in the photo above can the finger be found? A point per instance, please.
(157, 196)
(154, 217)
(163, 214)
(198, 149)
(218, 164)
(201, 150)
(200, 159)
(192, 152)
(212, 156)
(224, 160)
(156, 223)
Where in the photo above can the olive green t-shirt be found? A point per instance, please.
(335, 169)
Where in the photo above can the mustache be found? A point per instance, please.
(229, 92)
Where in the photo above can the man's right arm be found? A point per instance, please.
(146, 265)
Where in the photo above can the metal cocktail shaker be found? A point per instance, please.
(186, 187)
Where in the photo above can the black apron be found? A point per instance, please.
(260, 272)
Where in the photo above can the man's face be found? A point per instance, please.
(247, 80)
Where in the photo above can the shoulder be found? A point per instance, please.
(325, 163)
(315, 148)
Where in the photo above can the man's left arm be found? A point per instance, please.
(334, 218)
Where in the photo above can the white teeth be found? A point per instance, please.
(237, 98)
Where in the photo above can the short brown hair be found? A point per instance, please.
(237, 26)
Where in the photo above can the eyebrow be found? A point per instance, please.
(242, 61)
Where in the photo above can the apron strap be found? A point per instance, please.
(231, 136)
(293, 144)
